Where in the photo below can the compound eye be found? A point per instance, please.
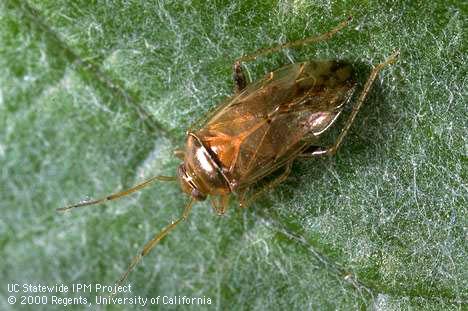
(197, 195)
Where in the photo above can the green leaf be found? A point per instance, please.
(95, 96)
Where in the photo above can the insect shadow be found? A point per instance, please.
(255, 136)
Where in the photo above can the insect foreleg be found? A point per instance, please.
(154, 241)
(362, 97)
(244, 202)
(221, 205)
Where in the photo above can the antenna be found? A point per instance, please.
(117, 195)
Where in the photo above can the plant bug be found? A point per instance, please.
(260, 130)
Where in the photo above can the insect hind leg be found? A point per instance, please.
(362, 97)
(309, 40)
(239, 76)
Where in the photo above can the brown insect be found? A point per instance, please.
(261, 129)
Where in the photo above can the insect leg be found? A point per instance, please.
(239, 77)
(362, 97)
(244, 202)
(117, 195)
(221, 205)
(291, 44)
(154, 241)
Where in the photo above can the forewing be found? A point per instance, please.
(274, 119)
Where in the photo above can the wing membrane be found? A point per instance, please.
(275, 119)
